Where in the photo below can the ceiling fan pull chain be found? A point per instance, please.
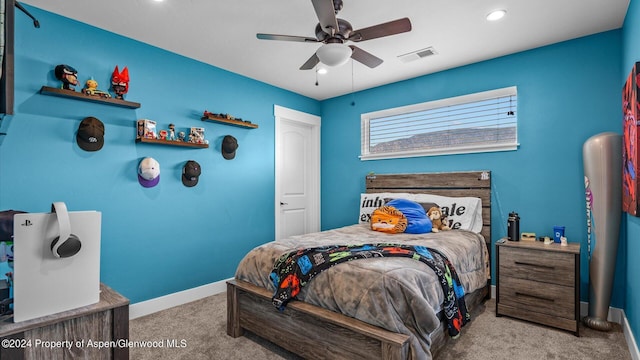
(353, 95)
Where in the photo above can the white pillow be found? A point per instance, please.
(461, 212)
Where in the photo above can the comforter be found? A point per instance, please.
(397, 294)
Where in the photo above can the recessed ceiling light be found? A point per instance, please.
(496, 15)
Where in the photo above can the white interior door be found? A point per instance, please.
(297, 163)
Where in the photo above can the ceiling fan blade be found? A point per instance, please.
(364, 57)
(380, 30)
(286, 38)
(311, 63)
(327, 15)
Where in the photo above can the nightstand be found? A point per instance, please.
(539, 283)
(73, 334)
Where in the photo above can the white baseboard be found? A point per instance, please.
(615, 315)
(631, 340)
(618, 316)
(182, 297)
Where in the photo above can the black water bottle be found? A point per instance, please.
(513, 227)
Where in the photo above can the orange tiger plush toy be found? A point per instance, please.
(388, 219)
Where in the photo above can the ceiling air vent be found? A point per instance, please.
(418, 54)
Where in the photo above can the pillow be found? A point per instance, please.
(461, 212)
(372, 201)
(388, 219)
(417, 220)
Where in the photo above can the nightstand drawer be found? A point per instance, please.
(543, 266)
(544, 298)
(527, 314)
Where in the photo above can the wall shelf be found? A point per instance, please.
(172, 143)
(239, 123)
(47, 90)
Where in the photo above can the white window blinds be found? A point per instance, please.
(478, 122)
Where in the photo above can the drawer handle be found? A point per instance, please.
(535, 265)
(535, 297)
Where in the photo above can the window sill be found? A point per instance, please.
(436, 152)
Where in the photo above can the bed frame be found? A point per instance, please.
(309, 331)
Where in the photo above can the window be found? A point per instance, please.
(479, 122)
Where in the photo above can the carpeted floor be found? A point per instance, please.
(202, 325)
(197, 331)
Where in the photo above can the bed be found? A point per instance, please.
(373, 308)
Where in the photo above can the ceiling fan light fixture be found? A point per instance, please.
(496, 15)
(333, 54)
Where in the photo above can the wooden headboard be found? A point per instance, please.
(460, 184)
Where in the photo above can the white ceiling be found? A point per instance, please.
(223, 33)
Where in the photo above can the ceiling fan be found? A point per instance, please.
(334, 32)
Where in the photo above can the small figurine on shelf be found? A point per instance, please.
(120, 82)
(68, 76)
(196, 135)
(163, 134)
(172, 132)
(147, 129)
(181, 136)
(140, 134)
(91, 88)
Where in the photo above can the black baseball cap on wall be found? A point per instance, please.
(191, 173)
(90, 135)
(229, 147)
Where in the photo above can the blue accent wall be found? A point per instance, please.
(170, 238)
(567, 92)
(155, 241)
(631, 224)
